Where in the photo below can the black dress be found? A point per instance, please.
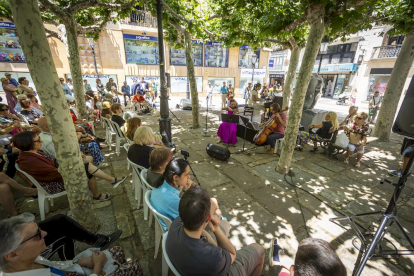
(140, 155)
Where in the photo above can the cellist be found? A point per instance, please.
(279, 131)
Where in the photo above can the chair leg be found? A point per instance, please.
(138, 192)
(158, 234)
(41, 200)
(47, 205)
(118, 145)
(127, 165)
(164, 266)
(145, 208)
(51, 202)
(150, 218)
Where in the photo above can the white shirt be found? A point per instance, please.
(210, 89)
(47, 145)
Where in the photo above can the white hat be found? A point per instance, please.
(69, 98)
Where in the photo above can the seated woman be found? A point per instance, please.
(227, 131)
(279, 131)
(357, 135)
(22, 241)
(106, 106)
(350, 118)
(159, 159)
(44, 168)
(139, 152)
(30, 114)
(116, 109)
(33, 99)
(165, 197)
(132, 125)
(265, 92)
(317, 133)
(24, 88)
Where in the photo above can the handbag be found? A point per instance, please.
(372, 112)
(342, 140)
(110, 266)
(354, 138)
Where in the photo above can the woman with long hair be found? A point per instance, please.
(319, 132)
(132, 125)
(225, 135)
(357, 135)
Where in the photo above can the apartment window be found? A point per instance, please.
(336, 58)
(347, 57)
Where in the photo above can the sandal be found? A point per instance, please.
(99, 197)
(117, 182)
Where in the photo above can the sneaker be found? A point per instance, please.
(395, 173)
(104, 242)
(346, 161)
(357, 165)
(274, 252)
(117, 182)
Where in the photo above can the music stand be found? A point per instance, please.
(247, 124)
(232, 119)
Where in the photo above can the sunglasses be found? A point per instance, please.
(359, 118)
(4, 109)
(38, 234)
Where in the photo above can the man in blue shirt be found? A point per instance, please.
(223, 91)
(11, 80)
(134, 87)
(126, 90)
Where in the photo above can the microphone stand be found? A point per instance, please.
(205, 132)
(192, 171)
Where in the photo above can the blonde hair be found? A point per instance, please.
(363, 115)
(333, 119)
(144, 136)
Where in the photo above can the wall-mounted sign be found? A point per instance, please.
(347, 67)
(141, 49)
(246, 53)
(271, 62)
(216, 55)
(257, 72)
(177, 56)
(10, 48)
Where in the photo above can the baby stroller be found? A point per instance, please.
(343, 100)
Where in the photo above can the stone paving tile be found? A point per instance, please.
(244, 179)
(208, 176)
(313, 168)
(231, 194)
(146, 233)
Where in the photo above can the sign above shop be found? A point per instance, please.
(271, 62)
(276, 76)
(347, 67)
(141, 37)
(248, 72)
(7, 25)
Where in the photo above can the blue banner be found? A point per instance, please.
(347, 67)
(271, 62)
(141, 37)
(7, 25)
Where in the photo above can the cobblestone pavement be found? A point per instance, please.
(259, 203)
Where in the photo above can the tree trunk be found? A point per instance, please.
(394, 89)
(191, 75)
(75, 67)
(36, 49)
(295, 114)
(291, 73)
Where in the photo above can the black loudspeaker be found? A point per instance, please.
(404, 124)
(218, 152)
(168, 79)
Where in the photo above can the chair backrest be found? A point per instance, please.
(23, 118)
(158, 216)
(107, 123)
(34, 181)
(165, 255)
(117, 130)
(136, 168)
(126, 146)
(144, 179)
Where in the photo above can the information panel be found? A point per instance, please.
(141, 49)
(10, 48)
(177, 56)
(216, 55)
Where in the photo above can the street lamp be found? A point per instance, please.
(253, 60)
(92, 44)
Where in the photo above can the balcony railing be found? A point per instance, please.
(384, 52)
(141, 18)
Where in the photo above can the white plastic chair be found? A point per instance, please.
(159, 230)
(126, 147)
(43, 196)
(109, 131)
(119, 135)
(137, 184)
(278, 144)
(166, 262)
(146, 187)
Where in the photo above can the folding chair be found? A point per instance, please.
(43, 196)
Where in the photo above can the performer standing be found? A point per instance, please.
(247, 92)
(223, 131)
(210, 94)
(256, 103)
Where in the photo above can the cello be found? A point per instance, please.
(261, 137)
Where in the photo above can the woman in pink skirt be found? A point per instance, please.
(10, 91)
(223, 131)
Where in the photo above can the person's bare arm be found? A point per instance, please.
(256, 99)
(282, 122)
(316, 126)
(8, 129)
(222, 240)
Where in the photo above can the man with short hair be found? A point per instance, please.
(195, 254)
(134, 87)
(247, 92)
(142, 87)
(11, 80)
(110, 84)
(126, 91)
(210, 94)
(223, 90)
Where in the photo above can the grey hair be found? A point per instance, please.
(10, 234)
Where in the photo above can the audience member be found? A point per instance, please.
(33, 99)
(407, 150)
(116, 109)
(357, 135)
(109, 85)
(319, 132)
(374, 106)
(86, 86)
(70, 85)
(315, 257)
(65, 87)
(100, 88)
(193, 253)
(23, 241)
(24, 88)
(350, 118)
(132, 125)
(11, 80)
(126, 90)
(7, 184)
(139, 152)
(44, 168)
(159, 158)
(106, 106)
(28, 112)
(10, 91)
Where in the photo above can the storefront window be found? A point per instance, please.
(16, 76)
(130, 80)
(140, 49)
(177, 55)
(377, 82)
(216, 55)
(10, 48)
(179, 84)
(245, 57)
(92, 79)
(336, 59)
(217, 83)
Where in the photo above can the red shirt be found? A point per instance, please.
(280, 128)
(138, 98)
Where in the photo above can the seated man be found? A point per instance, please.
(407, 150)
(116, 109)
(194, 254)
(315, 257)
(22, 241)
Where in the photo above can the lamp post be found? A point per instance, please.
(253, 60)
(92, 44)
(165, 120)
